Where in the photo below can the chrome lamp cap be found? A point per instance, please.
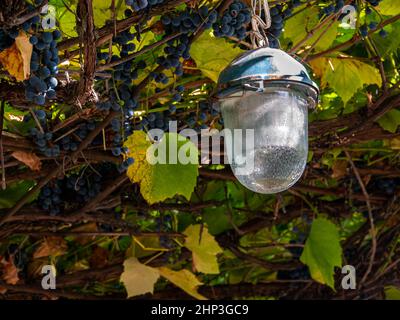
(262, 67)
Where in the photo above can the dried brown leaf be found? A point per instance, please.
(99, 258)
(9, 271)
(339, 169)
(34, 268)
(28, 158)
(51, 246)
(16, 59)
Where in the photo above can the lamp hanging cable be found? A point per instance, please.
(260, 26)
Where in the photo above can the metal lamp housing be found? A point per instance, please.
(268, 91)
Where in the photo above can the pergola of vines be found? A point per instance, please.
(350, 151)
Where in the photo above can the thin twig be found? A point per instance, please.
(370, 216)
(3, 169)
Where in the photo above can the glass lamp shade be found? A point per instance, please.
(264, 96)
(278, 120)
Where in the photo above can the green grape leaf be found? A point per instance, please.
(183, 279)
(102, 11)
(217, 219)
(389, 44)
(297, 26)
(204, 248)
(15, 191)
(390, 120)
(163, 169)
(322, 251)
(138, 278)
(213, 54)
(66, 19)
(324, 37)
(345, 75)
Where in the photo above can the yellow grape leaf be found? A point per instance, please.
(209, 64)
(392, 293)
(165, 175)
(138, 278)
(389, 7)
(17, 59)
(137, 146)
(204, 248)
(183, 279)
(346, 75)
(298, 26)
(394, 143)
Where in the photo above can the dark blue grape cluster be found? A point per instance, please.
(84, 187)
(300, 239)
(108, 104)
(233, 21)
(372, 25)
(8, 35)
(70, 192)
(44, 67)
(387, 186)
(204, 115)
(333, 7)
(176, 97)
(189, 20)
(130, 103)
(279, 14)
(199, 121)
(164, 224)
(42, 139)
(175, 50)
(51, 146)
(125, 72)
(277, 21)
(138, 5)
(124, 39)
(156, 120)
(120, 128)
(50, 197)
(117, 139)
(71, 142)
(122, 98)
(185, 22)
(125, 164)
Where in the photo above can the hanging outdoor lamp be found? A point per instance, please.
(269, 92)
